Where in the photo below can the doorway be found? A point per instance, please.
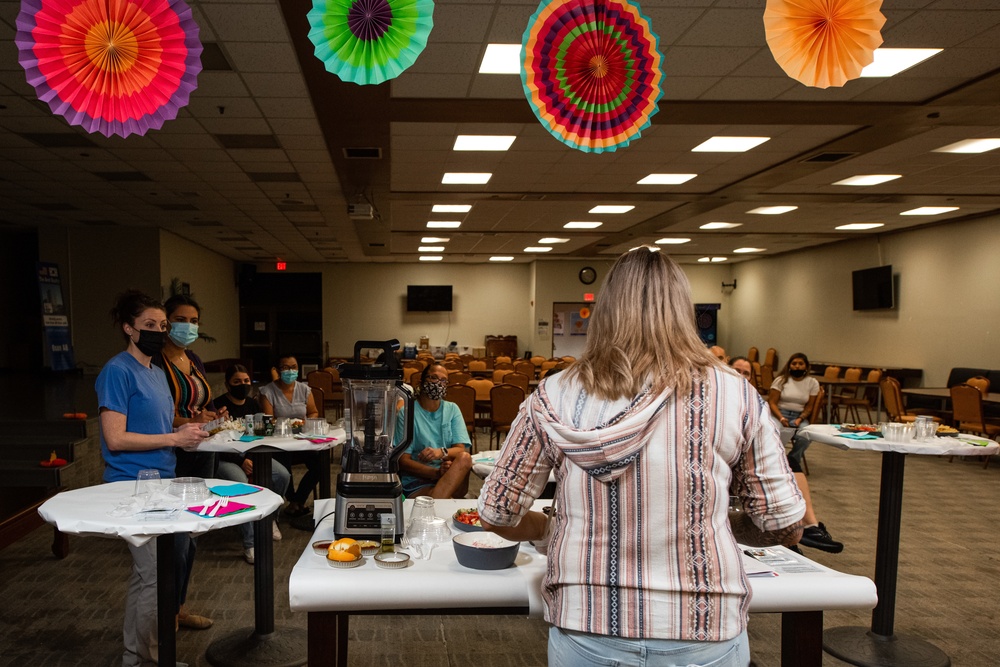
(569, 328)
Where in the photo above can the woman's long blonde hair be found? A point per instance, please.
(642, 330)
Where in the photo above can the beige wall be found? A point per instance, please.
(948, 301)
(213, 284)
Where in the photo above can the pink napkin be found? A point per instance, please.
(232, 508)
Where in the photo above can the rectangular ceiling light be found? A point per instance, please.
(538, 249)
(671, 240)
(711, 259)
(431, 258)
(465, 178)
(431, 248)
(720, 225)
(451, 208)
(501, 59)
(889, 62)
(749, 250)
(553, 239)
(501, 258)
(610, 210)
(435, 239)
(772, 210)
(729, 144)
(859, 226)
(443, 224)
(582, 224)
(483, 142)
(864, 180)
(665, 179)
(930, 210)
(970, 146)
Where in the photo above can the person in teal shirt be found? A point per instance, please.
(437, 462)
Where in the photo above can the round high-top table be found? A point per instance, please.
(86, 512)
(879, 645)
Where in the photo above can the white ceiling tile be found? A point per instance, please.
(245, 22)
(262, 57)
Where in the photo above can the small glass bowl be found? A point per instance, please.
(189, 489)
(395, 560)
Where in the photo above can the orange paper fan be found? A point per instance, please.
(823, 43)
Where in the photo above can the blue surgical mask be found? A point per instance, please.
(183, 333)
(289, 377)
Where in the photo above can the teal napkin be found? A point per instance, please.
(238, 489)
(859, 436)
(250, 438)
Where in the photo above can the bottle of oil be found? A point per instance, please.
(388, 533)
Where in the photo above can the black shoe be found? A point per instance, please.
(795, 549)
(816, 537)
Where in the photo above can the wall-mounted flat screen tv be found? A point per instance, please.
(873, 288)
(426, 298)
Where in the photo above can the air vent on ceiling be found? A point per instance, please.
(213, 59)
(56, 206)
(248, 140)
(532, 197)
(59, 140)
(376, 245)
(829, 157)
(119, 176)
(360, 153)
(274, 177)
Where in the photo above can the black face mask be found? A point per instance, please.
(797, 373)
(151, 343)
(239, 391)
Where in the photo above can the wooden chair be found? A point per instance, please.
(758, 380)
(766, 377)
(498, 374)
(548, 365)
(319, 399)
(335, 400)
(840, 394)
(477, 365)
(328, 381)
(892, 397)
(753, 355)
(770, 359)
(833, 372)
(981, 383)
(967, 411)
(410, 372)
(482, 386)
(453, 364)
(537, 361)
(465, 359)
(569, 359)
(460, 377)
(517, 379)
(500, 365)
(505, 399)
(464, 397)
(866, 399)
(525, 367)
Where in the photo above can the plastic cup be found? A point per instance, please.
(147, 482)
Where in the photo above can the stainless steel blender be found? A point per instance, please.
(375, 406)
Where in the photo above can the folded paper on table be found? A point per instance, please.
(231, 490)
(231, 508)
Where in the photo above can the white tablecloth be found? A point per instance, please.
(442, 583)
(830, 435)
(222, 442)
(85, 512)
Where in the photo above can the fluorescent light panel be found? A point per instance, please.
(443, 224)
(435, 239)
(970, 146)
(729, 144)
(711, 259)
(720, 225)
(538, 249)
(501, 59)
(772, 210)
(553, 239)
(665, 179)
(930, 210)
(859, 226)
(582, 224)
(451, 208)
(483, 142)
(431, 258)
(889, 62)
(671, 240)
(868, 179)
(610, 209)
(743, 251)
(501, 258)
(431, 248)
(465, 178)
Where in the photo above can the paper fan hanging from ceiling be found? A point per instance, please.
(591, 72)
(117, 67)
(369, 41)
(823, 43)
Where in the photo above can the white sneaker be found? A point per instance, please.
(248, 555)
(275, 533)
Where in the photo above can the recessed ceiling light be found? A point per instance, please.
(552, 239)
(711, 259)
(748, 250)
(501, 258)
(859, 226)
(868, 179)
(644, 246)
(671, 240)
(582, 224)
(451, 208)
(609, 209)
(720, 225)
(431, 248)
(435, 239)
(889, 62)
(483, 142)
(443, 224)
(465, 178)
(665, 179)
(431, 258)
(718, 259)
(930, 210)
(538, 248)
(728, 144)
(501, 59)
(772, 210)
(970, 146)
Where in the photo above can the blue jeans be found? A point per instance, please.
(799, 443)
(568, 648)
(233, 472)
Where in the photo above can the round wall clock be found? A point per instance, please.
(587, 275)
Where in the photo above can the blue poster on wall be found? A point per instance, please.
(55, 319)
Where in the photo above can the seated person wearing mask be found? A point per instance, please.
(437, 462)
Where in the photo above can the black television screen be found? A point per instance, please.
(428, 297)
(873, 288)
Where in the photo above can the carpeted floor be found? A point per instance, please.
(69, 612)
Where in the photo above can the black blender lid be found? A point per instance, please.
(384, 368)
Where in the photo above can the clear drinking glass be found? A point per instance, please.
(147, 482)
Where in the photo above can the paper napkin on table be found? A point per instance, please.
(238, 489)
(231, 508)
(250, 438)
(859, 436)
